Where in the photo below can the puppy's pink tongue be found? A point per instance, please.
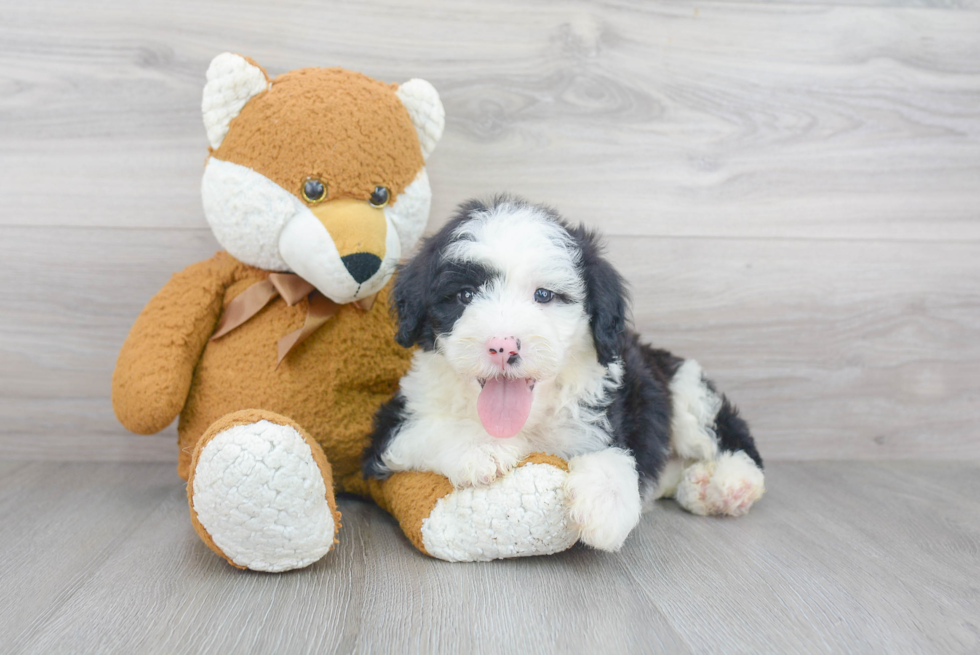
(504, 405)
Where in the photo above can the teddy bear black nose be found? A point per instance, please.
(361, 265)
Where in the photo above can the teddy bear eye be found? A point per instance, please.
(314, 190)
(379, 197)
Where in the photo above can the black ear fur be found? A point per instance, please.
(409, 302)
(606, 298)
(412, 295)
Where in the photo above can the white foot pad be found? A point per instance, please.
(260, 495)
(521, 514)
(726, 486)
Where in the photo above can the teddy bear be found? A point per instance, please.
(277, 352)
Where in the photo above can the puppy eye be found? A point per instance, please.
(465, 296)
(544, 296)
(379, 198)
(314, 190)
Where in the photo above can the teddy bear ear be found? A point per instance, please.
(232, 82)
(424, 106)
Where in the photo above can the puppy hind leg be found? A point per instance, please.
(664, 485)
(721, 467)
(729, 483)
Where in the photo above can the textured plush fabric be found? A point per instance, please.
(543, 458)
(521, 514)
(411, 496)
(330, 385)
(232, 81)
(243, 419)
(156, 364)
(424, 106)
(372, 141)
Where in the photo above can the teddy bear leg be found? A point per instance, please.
(522, 513)
(261, 494)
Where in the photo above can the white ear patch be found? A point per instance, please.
(232, 82)
(424, 106)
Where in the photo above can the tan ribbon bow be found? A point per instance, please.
(293, 289)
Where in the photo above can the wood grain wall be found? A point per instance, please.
(792, 188)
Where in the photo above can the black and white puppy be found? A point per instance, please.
(525, 348)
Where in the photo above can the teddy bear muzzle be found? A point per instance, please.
(359, 231)
(345, 248)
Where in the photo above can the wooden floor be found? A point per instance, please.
(837, 558)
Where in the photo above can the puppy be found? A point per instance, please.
(524, 347)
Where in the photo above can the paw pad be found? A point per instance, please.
(728, 486)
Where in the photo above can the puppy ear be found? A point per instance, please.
(606, 299)
(409, 301)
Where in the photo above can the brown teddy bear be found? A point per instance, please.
(277, 352)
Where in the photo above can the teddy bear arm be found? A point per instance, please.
(156, 364)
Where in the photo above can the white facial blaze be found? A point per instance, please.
(529, 251)
(506, 309)
(525, 245)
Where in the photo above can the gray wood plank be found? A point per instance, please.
(842, 558)
(657, 118)
(59, 524)
(69, 442)
(374, 579)
(837, 558)
(833, 348)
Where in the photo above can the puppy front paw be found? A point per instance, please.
(602, 493)
(480, 466)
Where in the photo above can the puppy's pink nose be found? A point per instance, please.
(503, 350)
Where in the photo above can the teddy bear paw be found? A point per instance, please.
(520, 514)
(260, 496)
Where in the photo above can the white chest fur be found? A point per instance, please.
(443, 432)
